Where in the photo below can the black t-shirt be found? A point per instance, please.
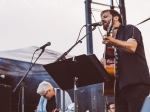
(51, 104)
(132, 67)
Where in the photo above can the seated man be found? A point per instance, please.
(111, 107)
(146, 107)
(48, 98)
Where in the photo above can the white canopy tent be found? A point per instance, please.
(25, 54)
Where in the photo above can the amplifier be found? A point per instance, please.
(5, 98)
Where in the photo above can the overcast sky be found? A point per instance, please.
(25, 23)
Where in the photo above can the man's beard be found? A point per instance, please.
(105, 26)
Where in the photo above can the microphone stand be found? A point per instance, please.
(22, 81)
(62, 57)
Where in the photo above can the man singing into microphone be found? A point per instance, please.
(133, 80)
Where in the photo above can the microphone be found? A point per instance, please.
(43, 47)
(95, 24)
(2, 76)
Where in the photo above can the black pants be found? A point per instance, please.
(131, 98)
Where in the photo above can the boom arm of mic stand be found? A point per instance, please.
(28, 71)
(64, 54)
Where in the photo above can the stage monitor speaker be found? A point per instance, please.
(5, 98)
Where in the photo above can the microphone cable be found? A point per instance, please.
(98, 27)
(79, 33)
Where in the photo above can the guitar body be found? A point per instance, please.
(109, 86)
(109, 64)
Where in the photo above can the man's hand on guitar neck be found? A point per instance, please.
(108, 40)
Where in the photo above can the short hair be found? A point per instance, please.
(108, 105)
(113, 13)
(44, 87)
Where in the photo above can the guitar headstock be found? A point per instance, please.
(109, 27)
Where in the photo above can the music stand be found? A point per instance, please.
(86, 69)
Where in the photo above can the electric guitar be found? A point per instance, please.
(109, 65)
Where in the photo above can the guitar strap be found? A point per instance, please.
(133, 33)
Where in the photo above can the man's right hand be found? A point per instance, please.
(55, 110)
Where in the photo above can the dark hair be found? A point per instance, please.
(113, 13)
(108, 105)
